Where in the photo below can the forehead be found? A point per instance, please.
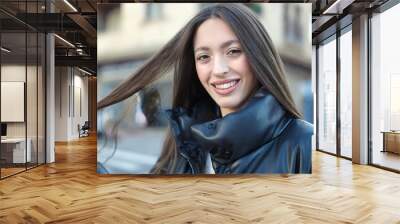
(212, 33)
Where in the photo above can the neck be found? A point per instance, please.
(226, 111)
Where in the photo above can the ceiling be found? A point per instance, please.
(76, 21)
(328, 16)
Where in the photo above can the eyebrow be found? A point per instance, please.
(223, 45)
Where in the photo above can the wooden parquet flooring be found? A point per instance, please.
(10, 171)
(70, 191)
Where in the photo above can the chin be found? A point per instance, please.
(228, 103)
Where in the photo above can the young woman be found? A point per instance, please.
(232, 111)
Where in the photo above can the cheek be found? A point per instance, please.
(241, 68)
(246, 71)
(245, 67)
(202, 74)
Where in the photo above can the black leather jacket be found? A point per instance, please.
(259, 138)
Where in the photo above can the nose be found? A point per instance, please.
(220, 66)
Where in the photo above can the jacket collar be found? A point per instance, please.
(239, 133)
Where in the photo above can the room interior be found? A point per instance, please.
(48, 91)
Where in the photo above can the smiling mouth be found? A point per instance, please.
(225, 87)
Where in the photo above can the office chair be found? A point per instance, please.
(84, 130)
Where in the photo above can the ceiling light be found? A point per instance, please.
(328, 10)
(70, 5)
(5, 49)
(337, 7)
(86, 72)
(65, 41)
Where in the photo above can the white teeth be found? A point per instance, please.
(226, 85)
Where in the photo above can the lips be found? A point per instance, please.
(225, 87)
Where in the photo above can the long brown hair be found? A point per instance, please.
(178, 54)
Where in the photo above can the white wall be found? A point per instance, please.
(15, 73)
(33, 125)
(61, 103)
(80, 100)
(70, 83)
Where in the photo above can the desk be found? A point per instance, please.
(17, 150)
(391, 141)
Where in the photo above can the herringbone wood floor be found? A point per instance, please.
(70, 191)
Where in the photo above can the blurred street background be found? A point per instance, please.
(131, 132)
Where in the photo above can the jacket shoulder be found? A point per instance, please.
(301, 127)
(299, 132)
(299, 136)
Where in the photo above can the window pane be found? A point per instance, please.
(327, 97)
(346, 94)
(386, 89)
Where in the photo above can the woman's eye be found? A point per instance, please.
(202, 57)
(234, 52)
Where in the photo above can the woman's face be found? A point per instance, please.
(222, 66)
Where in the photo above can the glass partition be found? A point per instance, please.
(22, 88)
(31, 98)
(13, 107)
(41, 86)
